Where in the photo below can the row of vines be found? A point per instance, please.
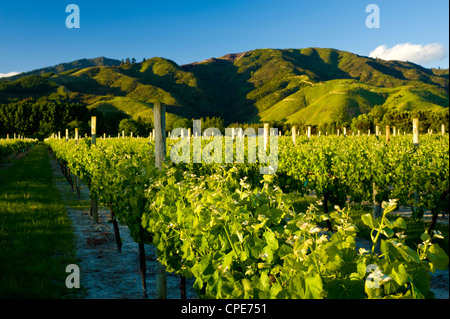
(237, 231)
(12, 147)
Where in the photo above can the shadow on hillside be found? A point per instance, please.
(386, 70)
(226, 89)
(324, 70)
(214, 88)
(87, 85)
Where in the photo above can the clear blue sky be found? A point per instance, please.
(33, 34)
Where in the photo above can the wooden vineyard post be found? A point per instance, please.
(309, 132)
(266, 135)
(388, 134)
(94, 203)
(416, 144)
(376, 204)
(159, 110)
(67, 169)
(94, 129)
(376, 210)
(294, 136)
(160, 135)
(416, 132)
(116, 228)
(443, 129)
(77, 180)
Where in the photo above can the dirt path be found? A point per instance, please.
(104, 272)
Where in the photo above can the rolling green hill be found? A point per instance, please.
(70, 67)
(311, 85)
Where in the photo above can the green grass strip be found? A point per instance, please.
(36, 238)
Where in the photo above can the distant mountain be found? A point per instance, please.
(78, 64)
(311, 85)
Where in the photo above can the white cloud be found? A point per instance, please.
(417, 53)
(4, 75)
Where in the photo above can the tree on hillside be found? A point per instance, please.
(378, 113)
(362, 123)
(128, 126)
(144, 125)
(82, 127)
(215, 122)
(182, 122)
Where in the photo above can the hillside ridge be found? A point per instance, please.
(310, 85)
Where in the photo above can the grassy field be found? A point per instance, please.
(36, 238)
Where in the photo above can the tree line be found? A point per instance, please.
(401, 120)
(44, 118)
(41, 119)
